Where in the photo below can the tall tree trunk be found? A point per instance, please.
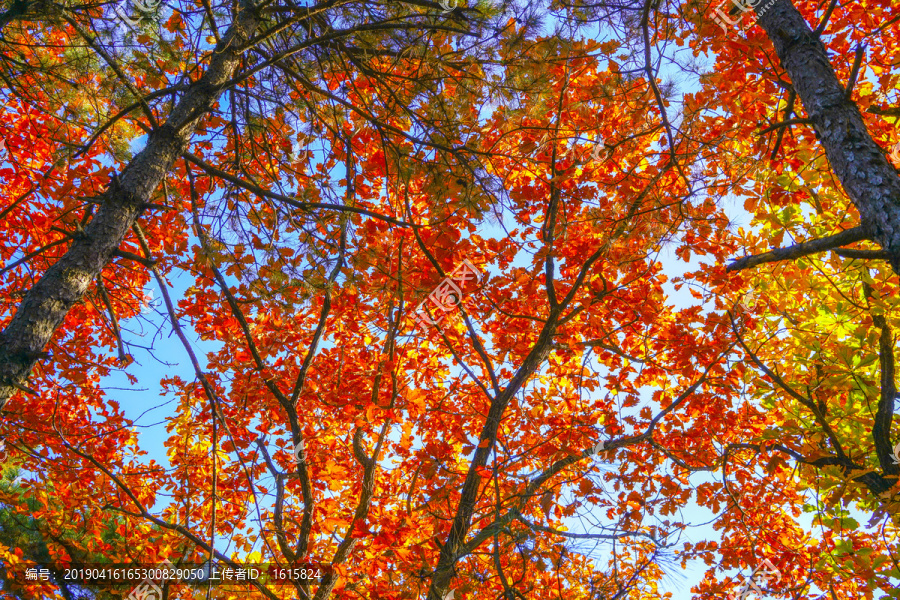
(65, 282)
(870, 181)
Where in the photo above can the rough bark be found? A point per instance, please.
(870, 181)
(45, 305)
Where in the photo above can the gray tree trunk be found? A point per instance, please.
(870, 181)
(45, 305)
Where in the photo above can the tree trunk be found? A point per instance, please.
(870, 181)
(45, 305)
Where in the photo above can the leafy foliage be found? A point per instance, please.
(578, 156)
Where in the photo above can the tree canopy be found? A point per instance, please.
(452, 300)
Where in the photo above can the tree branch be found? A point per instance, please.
(864, 254)
(787, 123)
(788, 111)
(370, 465)
(263, 193)
(112, 317)
(881, 428)
(848, 236)
(854, 70)
(875, 482)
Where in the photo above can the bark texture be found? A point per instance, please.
(870, 181)
(45, 305)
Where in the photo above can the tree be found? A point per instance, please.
(427, 241)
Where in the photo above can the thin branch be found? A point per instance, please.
(891, 111)
(875, 482)
(116, 69)
(584, 536)
(138, 259)
(124, 112)
(825, 18)
(215, 406)
(788, 111)
(31, 255)
(17, 201)
(476, 341)
(787, 123)
(864, 254)
(537, 482)
(279, 503)
(294, 422)
(287, 199)
(651, 79)
(854, 71)
(367, 492)
(112, 318)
